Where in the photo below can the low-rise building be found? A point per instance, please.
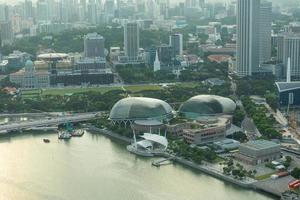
(259, 151)
(207, 132)
(29, 78)
(227, 144)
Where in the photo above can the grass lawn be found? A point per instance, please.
(188, 84)
(139, 88)
(264, 176)
(64, 91)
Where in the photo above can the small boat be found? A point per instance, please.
(46, 140)
(78, 133)
(64, 135)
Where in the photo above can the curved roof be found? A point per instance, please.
(134, 108)
(207, 105)
(156, 139)
(52, 56)
(145, 144)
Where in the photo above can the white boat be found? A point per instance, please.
(64, 135)
(78, 133)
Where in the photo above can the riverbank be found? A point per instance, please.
(206, 168)
(109, 134)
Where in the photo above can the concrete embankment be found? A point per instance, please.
(247, 184)
(213, 172)
(109, 134)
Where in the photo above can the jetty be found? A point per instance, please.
(164, 161)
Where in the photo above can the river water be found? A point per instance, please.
(96, 168)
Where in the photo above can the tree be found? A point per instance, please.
(239, 136)
(238, 116)
(272, 100)
(296, 173)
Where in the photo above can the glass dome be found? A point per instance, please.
(134, 108)
(202, 105)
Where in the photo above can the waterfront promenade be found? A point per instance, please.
(212, 170)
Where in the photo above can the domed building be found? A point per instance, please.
(207, 105)
(29, 78)
(140, 108)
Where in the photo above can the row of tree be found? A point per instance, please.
(264, 123)
(181, 148)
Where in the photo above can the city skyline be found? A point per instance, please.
(105, 101)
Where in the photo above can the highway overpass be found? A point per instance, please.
(49, 122)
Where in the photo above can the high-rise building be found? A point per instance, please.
(6, 33)
(265, 31)
(131, 41)
(165, 54)
(291, 50)
(3, 13)
(176, 42)
(94, 45)
(42, 10)
(28, 9)
(247, 37)
(280, 43)
(92, 12)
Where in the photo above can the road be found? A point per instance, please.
(48, 122)
(250, 129)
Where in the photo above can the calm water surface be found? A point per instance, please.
(96, 168)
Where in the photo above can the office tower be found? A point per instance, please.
(92, 15)
(176, 42)
(291, 50)
(28, 9)
(94, 45)
(6, 33)
(42, 10)
(165, 54)
(265, 32)
(280, 44)
(131, 41)
(192, 3)
(51, 9)
(109, 6)
(247, 36)
(3, 13)
(202, 3)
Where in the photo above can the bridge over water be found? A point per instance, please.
(78, 117)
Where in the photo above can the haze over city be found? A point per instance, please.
(150, 99)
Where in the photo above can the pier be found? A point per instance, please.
(164, 161)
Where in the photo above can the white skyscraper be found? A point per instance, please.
(247, 37)
(156, 63)
(131, 41)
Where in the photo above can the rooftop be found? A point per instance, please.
(285, 86)
(260, 144)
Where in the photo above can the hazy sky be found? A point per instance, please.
(277, 1)
(15, 1)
